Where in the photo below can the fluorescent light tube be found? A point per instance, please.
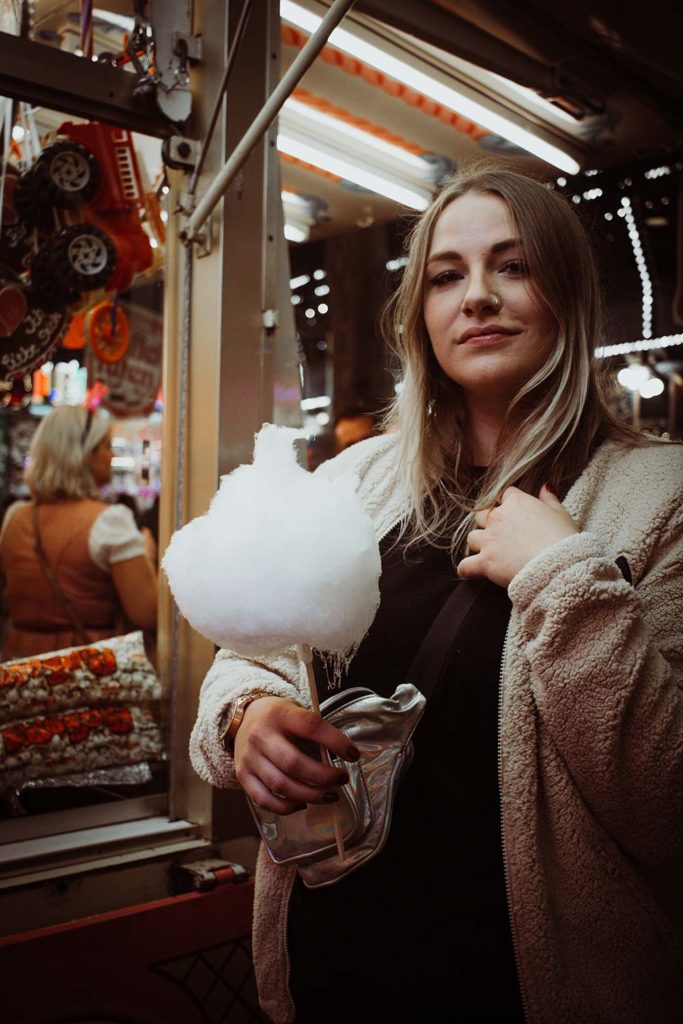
(449, 97)
(120, 20)
(340, 127)
(294, 233)
(292, 199)
(351, 172)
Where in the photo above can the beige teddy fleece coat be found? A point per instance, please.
(591, 748)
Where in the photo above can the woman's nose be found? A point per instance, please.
(480, 297)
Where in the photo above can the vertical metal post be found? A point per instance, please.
(251, 250)
(236, 363)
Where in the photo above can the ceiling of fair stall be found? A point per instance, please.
(602, 83)
(600, 80)
(587, 97)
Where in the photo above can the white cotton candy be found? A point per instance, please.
(281, 557)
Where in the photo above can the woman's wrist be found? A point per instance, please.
(234, 716)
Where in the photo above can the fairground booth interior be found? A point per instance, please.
(203, 207)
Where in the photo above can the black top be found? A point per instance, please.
(424, 925)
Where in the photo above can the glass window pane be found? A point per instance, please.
(81, 327)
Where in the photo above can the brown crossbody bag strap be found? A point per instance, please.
(79, 628)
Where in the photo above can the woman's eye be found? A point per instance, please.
(445, 277)
(517, 268)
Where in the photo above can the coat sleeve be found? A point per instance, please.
(229, 677)
(606, 663)
(282, 675)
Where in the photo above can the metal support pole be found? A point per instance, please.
(266, 115)
(232, 53)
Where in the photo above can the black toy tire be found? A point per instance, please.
(83, 258)
(48, 289)
(30, 203)
(69, 173)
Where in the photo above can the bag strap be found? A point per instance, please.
(431, 659)
(54, 584)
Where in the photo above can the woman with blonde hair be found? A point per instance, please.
(74, 566)
(533, 867)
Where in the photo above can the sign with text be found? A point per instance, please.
(28, 332)
(133, 382)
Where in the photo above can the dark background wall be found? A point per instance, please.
(343, 354)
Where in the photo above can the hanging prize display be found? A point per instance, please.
(17, 238)
(13, 306)
(75, 335)
(134, 380)
(87, 185)
(28, 330)
(72, 234)
(107, 331)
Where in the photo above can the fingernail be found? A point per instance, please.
(352, 754)
(342, 779)
(549, 487)
(330, 797)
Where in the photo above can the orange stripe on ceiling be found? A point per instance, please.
(308, 167)
(325, 107)
(293, 37)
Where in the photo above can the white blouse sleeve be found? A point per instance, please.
(114, 537)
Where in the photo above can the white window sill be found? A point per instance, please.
(38, 859)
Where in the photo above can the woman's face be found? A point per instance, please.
(488, 330)
(99, 461)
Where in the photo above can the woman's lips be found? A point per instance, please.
(490, 337)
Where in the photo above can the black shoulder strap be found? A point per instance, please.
(432, 656)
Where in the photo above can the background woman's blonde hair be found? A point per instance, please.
(557, 416)
(58, 456)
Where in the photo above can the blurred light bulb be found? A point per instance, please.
(634, 376)
(651, 388)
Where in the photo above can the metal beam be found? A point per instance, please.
(47, 77)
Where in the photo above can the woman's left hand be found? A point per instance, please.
(512, 533)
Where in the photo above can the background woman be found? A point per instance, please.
(74, 566)
(561, 712)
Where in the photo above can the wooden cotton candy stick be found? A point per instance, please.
(307, 658)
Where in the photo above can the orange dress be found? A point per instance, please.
(39, 620)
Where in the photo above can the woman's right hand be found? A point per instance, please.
(271, 764)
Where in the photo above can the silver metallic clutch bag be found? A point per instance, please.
(381, 728)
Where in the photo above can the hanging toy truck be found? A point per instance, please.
(85, 196)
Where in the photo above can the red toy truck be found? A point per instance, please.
(85, 195)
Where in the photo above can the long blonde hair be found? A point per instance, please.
(557, 416)
(58, 464)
